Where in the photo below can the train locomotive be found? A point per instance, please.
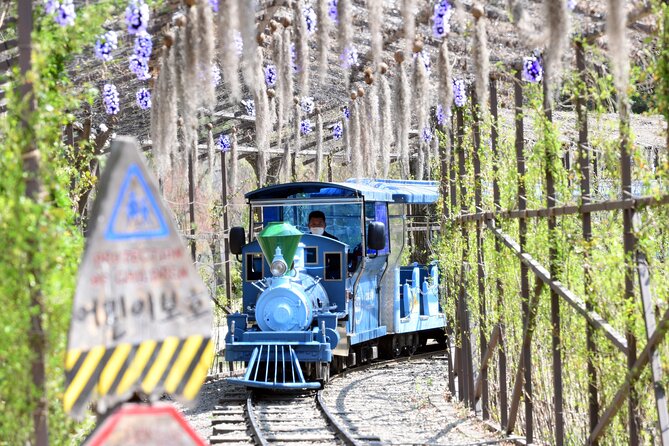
(312, 303)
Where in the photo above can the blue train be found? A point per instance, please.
(312, 303)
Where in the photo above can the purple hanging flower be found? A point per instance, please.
(532, 70)
(333, 11)
(349, 58)
(425, 58)
(105, 44)
(250, 107)
(50, 6)
(426, 134)
(239, 43)
(571, 4)
(441, 115)
(306, 126)
(346, 112)
(65, 13)
(223, 142)
(440, 20)
(338, 130)
(310, 19)
(214, 5)
(307, 104)
(270, 75)
(143, 96)
(110, 98)
(293, 58)
(143, 45)
(215, 75)
(139, 66)
(459, 93)
(136, 16)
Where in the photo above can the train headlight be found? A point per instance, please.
(278, 267)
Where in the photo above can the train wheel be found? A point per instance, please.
(396, 347)
(413, 344)
(323, 369)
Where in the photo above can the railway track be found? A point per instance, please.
(270, 419)
(262, 418)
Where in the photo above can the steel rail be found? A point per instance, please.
(256, 432)
(342, 433)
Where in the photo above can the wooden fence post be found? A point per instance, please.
(586, 223)
(31, 167)
(494, 135)
(629, 244)
(467, 381)
(522, 232)
(480, 271)
(226, 229)
(551, 160)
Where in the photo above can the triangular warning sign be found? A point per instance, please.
(135, 214)
(141, 319)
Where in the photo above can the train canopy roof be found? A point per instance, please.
(395, 191)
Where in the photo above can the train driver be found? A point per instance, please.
(317, 224)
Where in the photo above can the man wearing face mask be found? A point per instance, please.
(317, 224)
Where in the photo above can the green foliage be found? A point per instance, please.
(603, 255)
(42, 244)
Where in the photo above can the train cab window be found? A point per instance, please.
(333, 266)
(311, 255)
(254, 263)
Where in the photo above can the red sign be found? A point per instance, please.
(143, 425)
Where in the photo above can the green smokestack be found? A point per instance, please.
(283, 235)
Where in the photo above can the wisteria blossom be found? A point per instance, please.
(110, 99)
(338, 130)
(459, 93)
(65, 13)
(440, 20)
(532, 70)
(293, 58)
(270, 75)
(143, 96)
(239, 43)
(105, 44)
(571, 4)
(307, 104)
(346, 112)
(214, 5)
(139, 66)
(249, 107)
(425, 58)
(349, 58)
(50, 6)
(137, 16)
(333, 11)
(143, 45)
(441, 115)
(310, 19)
(306, 126)
(223, 142)
(215, 75)
(426, 134)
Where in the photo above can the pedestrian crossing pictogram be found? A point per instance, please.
(135, 214)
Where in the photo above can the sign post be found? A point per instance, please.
(142, 316)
